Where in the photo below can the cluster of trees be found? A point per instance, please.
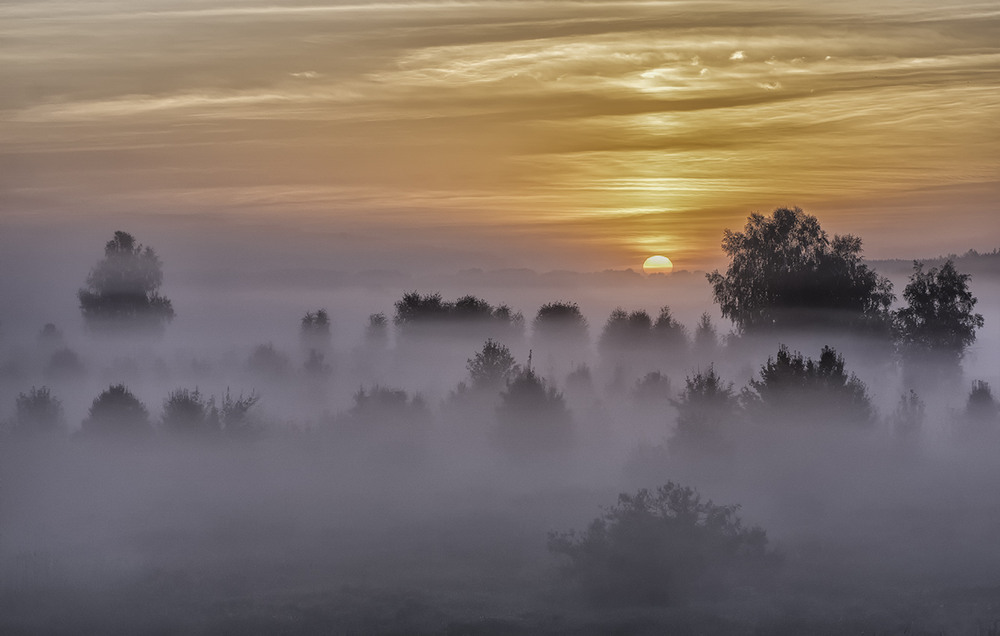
(416, 313)
(786, 274)
(116, 413)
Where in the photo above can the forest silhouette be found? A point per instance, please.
(314, 473)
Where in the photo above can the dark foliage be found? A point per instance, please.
(38, 412)
(938, 318)
(668, 334)
(381, 404)
(784, 272)
(233, 415)
(493, 367)
(662, 548)
(315, 328)
(794, 388)
(981, 409)
(707, 410)
(626, 331)
(122, 291)
(377, 330)
(420, 313)
(117, 413)
(533, 416)
(187, 412)
(560, 322)
(706, 338)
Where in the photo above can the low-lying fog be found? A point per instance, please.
(375, 485)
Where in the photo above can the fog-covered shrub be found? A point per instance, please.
(187, 412)
(792, 388)
(38, 412)
(661, 548)
(116, 412)
(533, 415)
(707, 411)
(492, 367)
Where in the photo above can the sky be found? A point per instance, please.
(434, 135)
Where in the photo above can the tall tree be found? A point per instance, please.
(938, 318)
(122, 291)
(785, 272)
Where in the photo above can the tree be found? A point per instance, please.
(315, 329)
(492, 367)
(377, 330)
(705, 410)
(626, 331)
(659, 548)
(560, 321)
(122, 291)
(908, 418)
(706, 339)
(792, 388)
(533, 415)
(785, 272)
(938, 319)
(38, 412)
(668, 333)
(117, 412)
(187, 412)
(421, 313)
(981, 409)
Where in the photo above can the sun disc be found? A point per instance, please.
(657, 265)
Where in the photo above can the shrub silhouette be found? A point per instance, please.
(377, 330)
(938, 319)
(626, 331)
(122, 291)
(37, 412)
(315, 329)
(560, 322)
(706, 338)
(668, 334)
(533, 416)
(187, 412)
(981, 409)
(416, 313)
(706, 410)
(794, 388)
(662, 548)
(116, 412)
(492, 367)
(785, 272)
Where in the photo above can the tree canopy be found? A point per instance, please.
(938, 317)
(785, 272)
(122, 291)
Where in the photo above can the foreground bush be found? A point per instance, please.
(659, 548)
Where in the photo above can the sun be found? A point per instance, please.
(657, 265)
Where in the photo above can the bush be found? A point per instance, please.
(37, 412)
(659, 548)
(116, 412)
(792, 388)
(533, 415)
(187, 412)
